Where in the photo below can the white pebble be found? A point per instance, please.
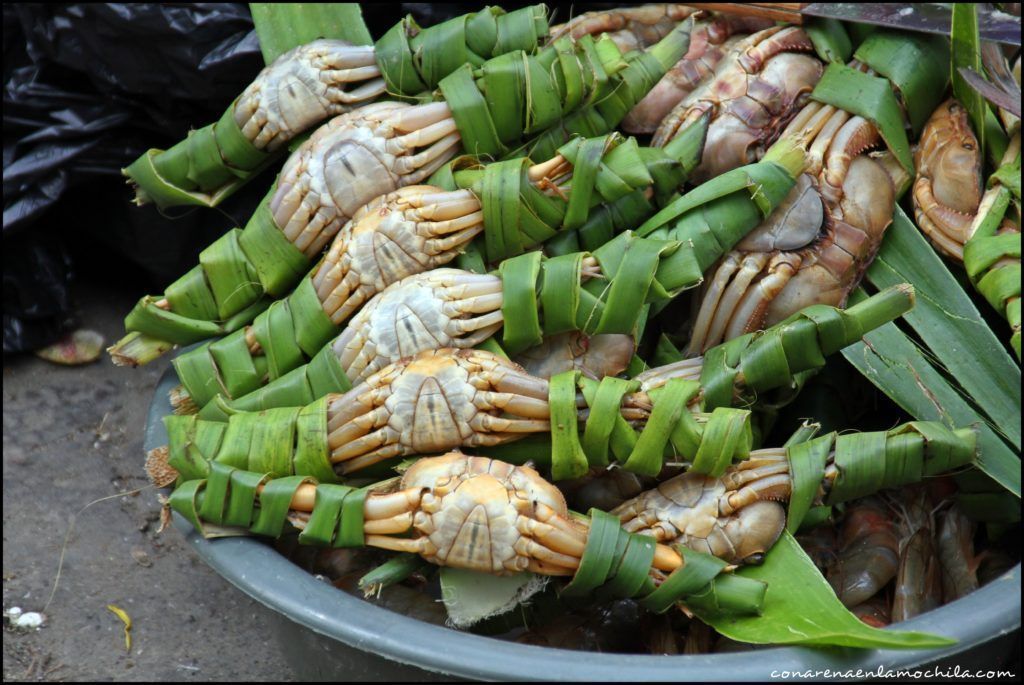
(29, 620)
(13, 612)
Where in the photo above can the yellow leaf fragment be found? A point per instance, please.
(127, 620)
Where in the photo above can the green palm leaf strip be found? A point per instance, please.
(393, 571)
(413, 59)
(711, 434)
(608, 192)
(911, 81)
(617, 564)
(914, 63)
(966, 52)
(869, 462)
(992, 254)
(667, 255)
(283, 27)
(831, 41)
(222, 293)
(515, 98)
(216, 160)
(640, 71)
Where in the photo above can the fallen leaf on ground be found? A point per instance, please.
(127, 620)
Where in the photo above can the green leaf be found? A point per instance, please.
(283, 26)
(470, 596)
(966, 52)
(950, 325)
(870, 97)
(801, 608)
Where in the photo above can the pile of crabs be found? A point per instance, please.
(577, 320)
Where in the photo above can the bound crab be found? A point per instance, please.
(982, 231)
(756, 89)
(816, 245)
(634, 28)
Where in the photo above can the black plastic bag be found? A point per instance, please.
(88, 88)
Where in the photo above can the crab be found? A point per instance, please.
(405, 232)
(440, 308)
(814, 248)
(304, 86)
(734, 517)
(635, 28)
(443, 399)
(947, 191)
(757, 88)
(480, 514)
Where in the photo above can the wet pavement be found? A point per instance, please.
(73, 436)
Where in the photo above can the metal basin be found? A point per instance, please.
(327, 634)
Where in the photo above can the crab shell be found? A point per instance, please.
(396, 235)
(439, 308)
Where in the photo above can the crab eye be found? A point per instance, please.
(968, 146)
(755, 559)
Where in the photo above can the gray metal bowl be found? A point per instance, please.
(327, 634)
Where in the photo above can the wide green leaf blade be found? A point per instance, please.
(283, 26)
(950, 325)
(966, 52)
(890, 360)
(800, 607)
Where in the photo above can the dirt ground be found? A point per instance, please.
(73, 435)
